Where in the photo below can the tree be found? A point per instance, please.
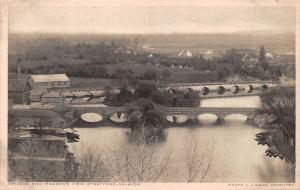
(144, 90)
(107, 90)
(262, 58)
(125, 95)
(145, 121)
(25, 164)
(160, 98)
(277, 115)
(223, 72)
(132, 82)
(100, 71)
(91, 166)
(12, 165)
(102, 44)
(150, 75)
(120, 73)
(138, 163)
(199, 163)
(125, 162)
(165, 74)
(113, 43)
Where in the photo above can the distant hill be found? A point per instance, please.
(19, 42)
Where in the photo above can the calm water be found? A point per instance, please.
(234, 153)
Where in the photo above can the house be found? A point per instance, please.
(18, 91)
(43, 82)
(35, 95)
(51, 98)
(249, 60)
(185, 53)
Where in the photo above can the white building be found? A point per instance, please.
(185, 53)
(43, 82)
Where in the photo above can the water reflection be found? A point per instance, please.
(144, 136)
(230, 148)
(249, 101)
(274, 172)
(235, 153)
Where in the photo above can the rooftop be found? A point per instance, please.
(52, 95)
(50, 78)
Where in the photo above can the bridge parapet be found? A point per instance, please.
(103, 111)
(219, 83)
(190, 112)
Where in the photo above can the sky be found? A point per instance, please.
(141, 17)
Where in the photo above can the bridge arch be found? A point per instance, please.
(207, 118)
(264, 87)
(177, 118)
(172, 114)
(249, 88)
(205, 90)
(190, 90)
(87, 97)
(235, 89)
(172, 91)
(118, 117)
(69, 98)
(236, 117)
(221, 90)
(91, 117)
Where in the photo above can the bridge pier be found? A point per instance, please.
(250, 119)
(193, 119)
(220, 119)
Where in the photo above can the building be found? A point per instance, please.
(51, 98)
(43, 82)
(18, 87)
(185, 53)
(35, 95)
(241, 51)
(249, 62)
(18, 91)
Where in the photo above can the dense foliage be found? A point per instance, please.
(148, 90)
(115, 62)
(278, 111)
(143, 108)
(145, 121)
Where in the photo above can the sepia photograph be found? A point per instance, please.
(151, 92)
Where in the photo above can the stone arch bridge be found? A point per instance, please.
(190, 113)
(204, 90)
(207, 90)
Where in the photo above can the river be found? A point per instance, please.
(230, 147)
